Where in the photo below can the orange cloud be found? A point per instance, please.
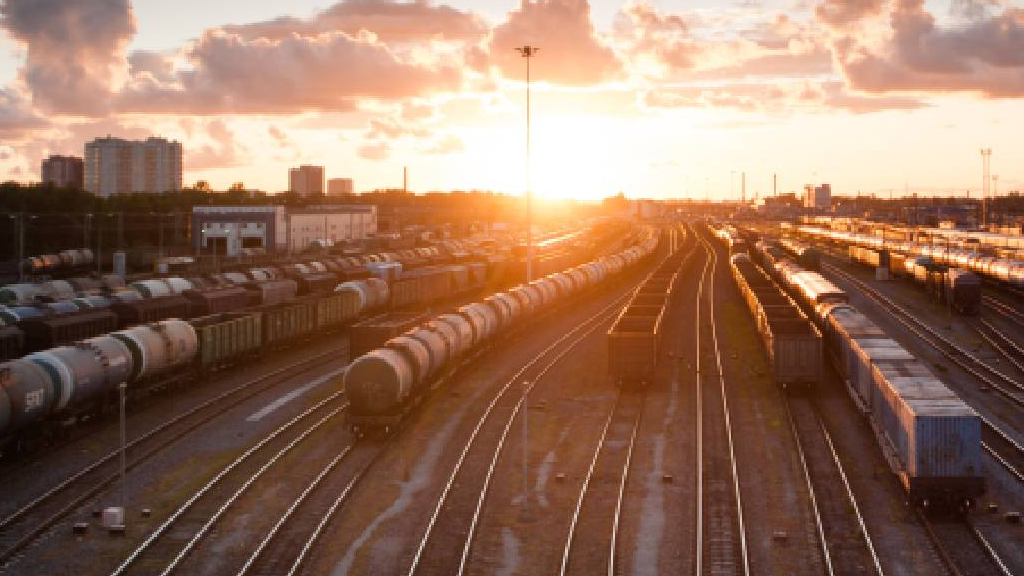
(984, 56)
(75, 48)
(233, 74)
(571, 52)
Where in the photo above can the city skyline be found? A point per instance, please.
(655, 99)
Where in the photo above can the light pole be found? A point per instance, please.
(527, 52)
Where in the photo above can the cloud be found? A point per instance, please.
(75, 50)
(391, 128)
(391, 22)
(984, 56)
(376, 151)
(777, 99)
(223, 152)
(154, 64)
(840, 13)
(332, 71)
(667, 47)
(449, 144)
(278, 135)
(17, 118)
(570, 51)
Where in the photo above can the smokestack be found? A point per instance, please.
(405, 179)
(775, 184)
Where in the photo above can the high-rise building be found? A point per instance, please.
(818, 197)
(63, 171)
(306, 180)
(340, 186)
(114, 165)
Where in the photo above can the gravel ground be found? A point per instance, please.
(659, 519)
(781, 534)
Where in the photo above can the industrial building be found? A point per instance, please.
(818, 197)
(227, 230)
(340, 186)
(306, 180)
(63, 171)
(115, 165)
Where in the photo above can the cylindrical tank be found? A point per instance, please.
(152, 288)
(26, 394)
(488, 317)
(579, 279)
(514, 308)
(14, 314)
(451, 338)
(84, 302)
(416, 354)
(564, 284)
(178, 285)
(62, 307)
(160, 347)
(462, 328)
(535, 296)
(378, 382)
(435, 345)
(501, 309)
(18, 294)
(57, 289)
(365, 294)
(236, 277)
(85, 371)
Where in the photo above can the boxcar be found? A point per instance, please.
(149, 310)
(224, 338)
(52, 331)
(288, 321)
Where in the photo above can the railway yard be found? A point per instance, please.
(682, 397)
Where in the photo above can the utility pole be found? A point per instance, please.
(527, 52)
(775, 185)
(986, 168)
(21, 247)
(405, 179)
(743, 187)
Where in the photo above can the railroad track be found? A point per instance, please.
(170, 543)
(32, 520)
(846, 544)
(1001, 343)
(963, 548)
(431, 558)
(721, 541)
(1000, 307)
(597, 515)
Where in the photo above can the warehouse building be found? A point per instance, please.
(226, 230)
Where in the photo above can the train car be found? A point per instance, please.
(51, 331)
(216, 300)
(963, 291)
(286, 322)
(929, 436)
(223, 339)
(633, 342)
(384, 384)
(149, 310)
(12, 343)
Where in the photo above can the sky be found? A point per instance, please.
(655, 99)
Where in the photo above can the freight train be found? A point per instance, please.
(59, 312)
(960, 289)
(634, 338)
(929, 436)
(65, 262)
(385, 384)
(998, 269)
(45, 393)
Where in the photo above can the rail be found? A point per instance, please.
(723, 481)
(162, 436)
